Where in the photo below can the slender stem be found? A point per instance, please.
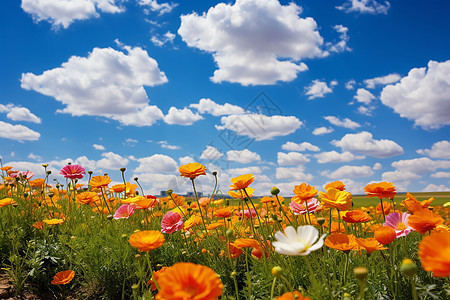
(413, 288)
(284, 213)
(382, 209)
(151, 270)
(312, 276)
(272, 289)
(199, 206)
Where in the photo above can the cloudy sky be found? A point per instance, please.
(302, 91)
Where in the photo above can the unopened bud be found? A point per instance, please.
(277, 271)
(274, 191)
(230, 233)
(408, 267)
(214, 173)
(360, 273)
(123, 169)
(169, 192)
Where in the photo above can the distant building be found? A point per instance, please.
(163, 193)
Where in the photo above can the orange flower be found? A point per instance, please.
(339, 185)
(380, 190)
(370, 244)
(246, 243)
(6, 168)
(234, 251)
(63, 277)
(38, 225)
(335, 198)
(214, 225)
(296, 295)
(100, 181)
(86, 197)
(147, 240)
(424, 220)
(156, 278)
(434, 252)
(303, 192)
(6, 201)
(385, 235)
(53, 221)
(241, 182)
(194, 220)
(386, 208)
(179, 200)
(224, 212)
(413, 204)
(240, 194)
(192, 170)
(146, 203)
(38, 182)
(118, 188)
(186, 281)
(356, 216)
(204, 201)
(342, 241)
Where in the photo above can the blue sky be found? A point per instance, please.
(302, 91)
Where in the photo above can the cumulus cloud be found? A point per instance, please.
(208, 106)
(211, 153)
(441, 175)
(350, 85)
(248, 170)
(160, 41)
(65, 12)
(383, 80)
(317, 89)
(365, 7)
(154, 6)
(351, 172)
(291, 146)
(335, 157)
(364, 143)
(111, 161)
(340, 46)
(438, 150)
(364, 96)
(260, 127)
(186, 160)
(34, 157)
(17, 132)
(377, 166)
(166, 145)
(422, 96)
(99, 147)
(435, 188)
(157, 163)
(254, 42)
(244, 156)
(322, 130)
(19, 113)
(183, 116)
(398, 176)
(291, 159)
(346, 123)
(421, 165)
(295, 173)
(107, 83)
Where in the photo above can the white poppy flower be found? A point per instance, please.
(298, 242)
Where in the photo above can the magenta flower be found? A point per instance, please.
(246, 213)
(25, 174)
(124, 212)
(399, 222)
(171, 222)
(300, 209)
(73, 171)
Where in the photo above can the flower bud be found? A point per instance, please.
(169, 192)
(214, 173)
(274, 191)
(408, 267)
(277, 271)
(123, 169)
(360, 273)
(230, 233)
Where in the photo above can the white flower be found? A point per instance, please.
(300, 242)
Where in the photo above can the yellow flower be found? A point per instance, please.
(335, 198)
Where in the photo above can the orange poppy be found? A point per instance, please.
(192, 170)
(6, 168)
(413, 205)
(335, 198)
(186, 281)
(380, 190)
(6, 201)
(118, 188)
(146, 203)
(63, 277)
(38, 182)
(156, 278)
(86, 197)
(194, 220)
(339, 185)
(147, 240)
(434, 251)
(296, 295)
(53, 221)
(241, 182)
(215, 225)
(385, 235)
(178, 199)
(424, 220)
(38, 225)
(303, 192)
(100, 181)
(234, 251)
(370, 244)
(224, 212)
(246, 243)
(386, 208)
(342, 241)
(240, 194)
(356, 216)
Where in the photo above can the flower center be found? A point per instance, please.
(401, 226)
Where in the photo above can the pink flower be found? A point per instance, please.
(399, 222)
(300, 209)
(171, 222)
(124, 212)
(25, 174)
(247, 213)
(73, 171)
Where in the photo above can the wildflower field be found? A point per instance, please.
(104, 241)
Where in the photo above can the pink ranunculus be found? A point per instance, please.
(171, 222)
(25, 174)
(73, 171)
(300, 209)
(399, 222)
(246, 213)
(124, 212)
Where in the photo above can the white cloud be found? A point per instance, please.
(206, 105)
(111, 161)
(317, 89)
(365, 7)
(260, 127)
(340, 46)
(435, 188)
(291, 146)
(364, 96)
(18, 113)
(383, 80)
(65, 12)
(107, 83)
(441, 175)
(335, 157)
(186, 160)
(183, 116)
(363, 143)
(158, 163)
(160, 41)
(346, 123)
(322, 130)
(398, 176)
(366, 110)
(254, 42)
(350, 85)
(99, 147)
(211, 153)
(160, 8)
(421, 165)
(166, 145)
(156, 182)
(422, 96)
(243, 156)
(291, 159)
(34, 157)
(248, 170)
(18, 132)
(351, 172)
(438, 150)
(377, 166)
(296, 173)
